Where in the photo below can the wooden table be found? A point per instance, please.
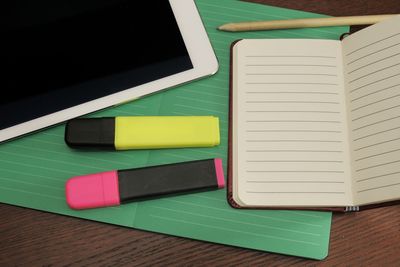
(34, 238)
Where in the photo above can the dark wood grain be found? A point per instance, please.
(34, 238)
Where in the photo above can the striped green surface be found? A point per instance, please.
(35, 168)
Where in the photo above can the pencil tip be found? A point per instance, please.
(225, 27)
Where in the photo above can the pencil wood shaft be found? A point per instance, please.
(303, 23)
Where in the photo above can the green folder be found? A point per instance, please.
(34, 169)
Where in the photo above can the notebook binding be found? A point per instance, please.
(352, 208)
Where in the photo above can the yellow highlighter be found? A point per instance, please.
(143, 132)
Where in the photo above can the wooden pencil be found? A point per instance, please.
(303, 23)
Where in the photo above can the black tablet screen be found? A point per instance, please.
(58, 54)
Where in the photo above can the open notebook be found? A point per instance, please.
(316, 123)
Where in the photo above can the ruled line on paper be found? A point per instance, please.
(373, 62)
(297, 141)
(377, 165)
(280, 92)
(377, 91)
(295, 181)
(293, 74)
(308, 83)
(377, 176)
(375, 123)
(296, 171)
(372, 53)
(292, 192)
(301, 161)
(379, 154)
(289, 65)
(378, 187)
(375, 112)
(292, 102)
(378, 41)
(292, 131)
(375, 102)
(369, 135)
(310, 121)
(374, 72)
(295, 111)
(294, 150)
(368, 84)
(376, 144)
(302, 56)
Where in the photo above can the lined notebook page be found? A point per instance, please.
(290, 143)
(372, 74)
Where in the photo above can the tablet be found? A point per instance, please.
(66, 58)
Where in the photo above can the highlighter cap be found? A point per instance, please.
(93, 191)
(90, 133)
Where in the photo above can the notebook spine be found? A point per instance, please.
(352, 209)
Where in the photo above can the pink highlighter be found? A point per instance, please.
(113, 188)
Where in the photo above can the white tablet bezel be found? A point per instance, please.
(201, 55)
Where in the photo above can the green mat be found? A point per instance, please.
(35, 168)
